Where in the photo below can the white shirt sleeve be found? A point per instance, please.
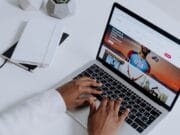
(34, 111)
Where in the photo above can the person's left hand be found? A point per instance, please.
(105, 120)
(73, 92)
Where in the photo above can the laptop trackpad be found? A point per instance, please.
(80, 116)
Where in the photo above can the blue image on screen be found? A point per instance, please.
(112, 61)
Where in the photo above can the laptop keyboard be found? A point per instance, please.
(141, 115)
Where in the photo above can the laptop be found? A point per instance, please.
(136, 61)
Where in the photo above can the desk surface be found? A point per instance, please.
(85, 28)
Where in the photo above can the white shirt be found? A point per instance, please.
(27, 117)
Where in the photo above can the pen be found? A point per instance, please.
(19, 65)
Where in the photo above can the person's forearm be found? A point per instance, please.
(33, 111)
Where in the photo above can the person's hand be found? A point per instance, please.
(78, 92)
(106, 119)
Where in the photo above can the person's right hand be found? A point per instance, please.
(73, 91)
(106, 119)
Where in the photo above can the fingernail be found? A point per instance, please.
(120, 99)
(128, 109)
(99, 83)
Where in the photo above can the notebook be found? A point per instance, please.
(38, 43)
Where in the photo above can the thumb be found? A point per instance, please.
(92, 108)
(123, 116)
(85, 100)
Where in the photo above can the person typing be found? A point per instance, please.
(104, 120)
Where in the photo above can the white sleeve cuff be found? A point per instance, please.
(56, 99)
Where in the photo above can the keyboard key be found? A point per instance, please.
(122, 95)
(126, 99)
(131, 102)
(87, 74)
(112, 88)
(138, 114)
(140, 130)
(110, 80)
(101, 74)
(136, 106)
(117, 91)
(114, 83)
(138, 100)
(129, 106)
(154, 113)
(107, 84)
(144, 119)
(114, 96)
(89, 71)
(148, 108)
(147, 114)
(131, 116)
(129, 121)
(128, 93)
(123, 90)
(139, 122)
(109, 92)
(134, 125)
(119, 86)
(134, 111)
(151, 119)
(143, 104)
(133, 97)
(142, 110)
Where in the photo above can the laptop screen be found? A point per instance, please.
(142, 55)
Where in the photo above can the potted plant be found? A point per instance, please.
(60, 8)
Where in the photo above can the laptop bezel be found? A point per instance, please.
(159, 30)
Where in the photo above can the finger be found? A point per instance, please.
(123, 116)
(90, 83)
(88, 90)
(110, 105)
(103, 104)
(84, 79)
(117, 106)
(92, 108)
(85, 100)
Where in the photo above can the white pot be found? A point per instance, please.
(30, 4)
(60, 10)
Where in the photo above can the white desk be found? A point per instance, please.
(85, 29)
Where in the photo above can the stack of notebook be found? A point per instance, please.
(37, 45)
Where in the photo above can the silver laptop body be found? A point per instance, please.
(118, 49)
